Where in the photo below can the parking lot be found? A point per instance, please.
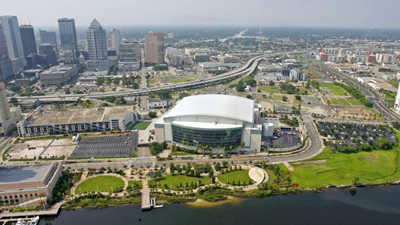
(48, 148)
(121, 145)
(354, 134)
(285, 141)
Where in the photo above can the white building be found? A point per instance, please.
(397, 102)
(115, 40)
(385, 58)
(156, 103)
(212, 120)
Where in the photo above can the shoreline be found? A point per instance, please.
(237, 200)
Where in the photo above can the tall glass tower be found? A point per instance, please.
(69, 41)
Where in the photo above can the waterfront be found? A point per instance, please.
(335, 206)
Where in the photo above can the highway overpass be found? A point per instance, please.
(245, 70)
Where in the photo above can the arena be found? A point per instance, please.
(212, 120)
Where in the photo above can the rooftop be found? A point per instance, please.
(58, 69)
(25, 173)
(76, 115)
(226, 106)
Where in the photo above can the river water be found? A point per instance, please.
(375, 206)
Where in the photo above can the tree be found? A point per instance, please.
(284, 98)
(108, 81)
(116, 81)
(14, 101)
(99, 80)
(396, 125)
(124, 80)
(240, 86)
(152, 114)
(298, 97)
(271, 83)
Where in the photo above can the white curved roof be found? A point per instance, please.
(226, 106)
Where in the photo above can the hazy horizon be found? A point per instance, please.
(284, 13)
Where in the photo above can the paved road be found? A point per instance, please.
(314, 148)
(246, 69)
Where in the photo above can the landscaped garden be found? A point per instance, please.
(100, 184)
(237, 177)
(179, 182)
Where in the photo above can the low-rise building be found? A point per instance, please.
(47, 121)
(21, 183)
(58, 74)
(157, 103)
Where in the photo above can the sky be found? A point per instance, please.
(277, 13)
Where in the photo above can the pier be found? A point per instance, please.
(147, 202)
(51, 212)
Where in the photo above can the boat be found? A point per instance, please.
(34, 221)
(21, 222)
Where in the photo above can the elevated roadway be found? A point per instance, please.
(245, 70)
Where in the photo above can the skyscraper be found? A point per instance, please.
(6, 70)
(28, 39)
(69, 41)
(48, 37)
(115, 39)
(155, 52)
(14, 43)
(5, 115)
(97, 46)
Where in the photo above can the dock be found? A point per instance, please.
(147, 202)
(51, 212)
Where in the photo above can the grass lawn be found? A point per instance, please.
(270, 89)
(183, 79)
(395, 83)
(100, 183)
(341, 169)
(235, 176)
(181, 153)
(141, 125)
(176, 181)
(134, 185)
(271, 176)
(335, 89)
(354, 101)
(338, 101)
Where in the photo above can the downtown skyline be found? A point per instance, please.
(288, 13)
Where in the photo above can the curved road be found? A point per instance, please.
(247, 69)
(314, 147)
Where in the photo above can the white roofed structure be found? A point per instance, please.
(212, 120)
(227, 106)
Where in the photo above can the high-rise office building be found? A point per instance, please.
(48, 37)
(115, 39)
(97, 46)
(69, 41)
(28, 39)
(5, 115)
(51, 53)
(155, 52)
(6, 70)
(14, 43)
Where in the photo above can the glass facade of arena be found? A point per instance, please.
(214, 138)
